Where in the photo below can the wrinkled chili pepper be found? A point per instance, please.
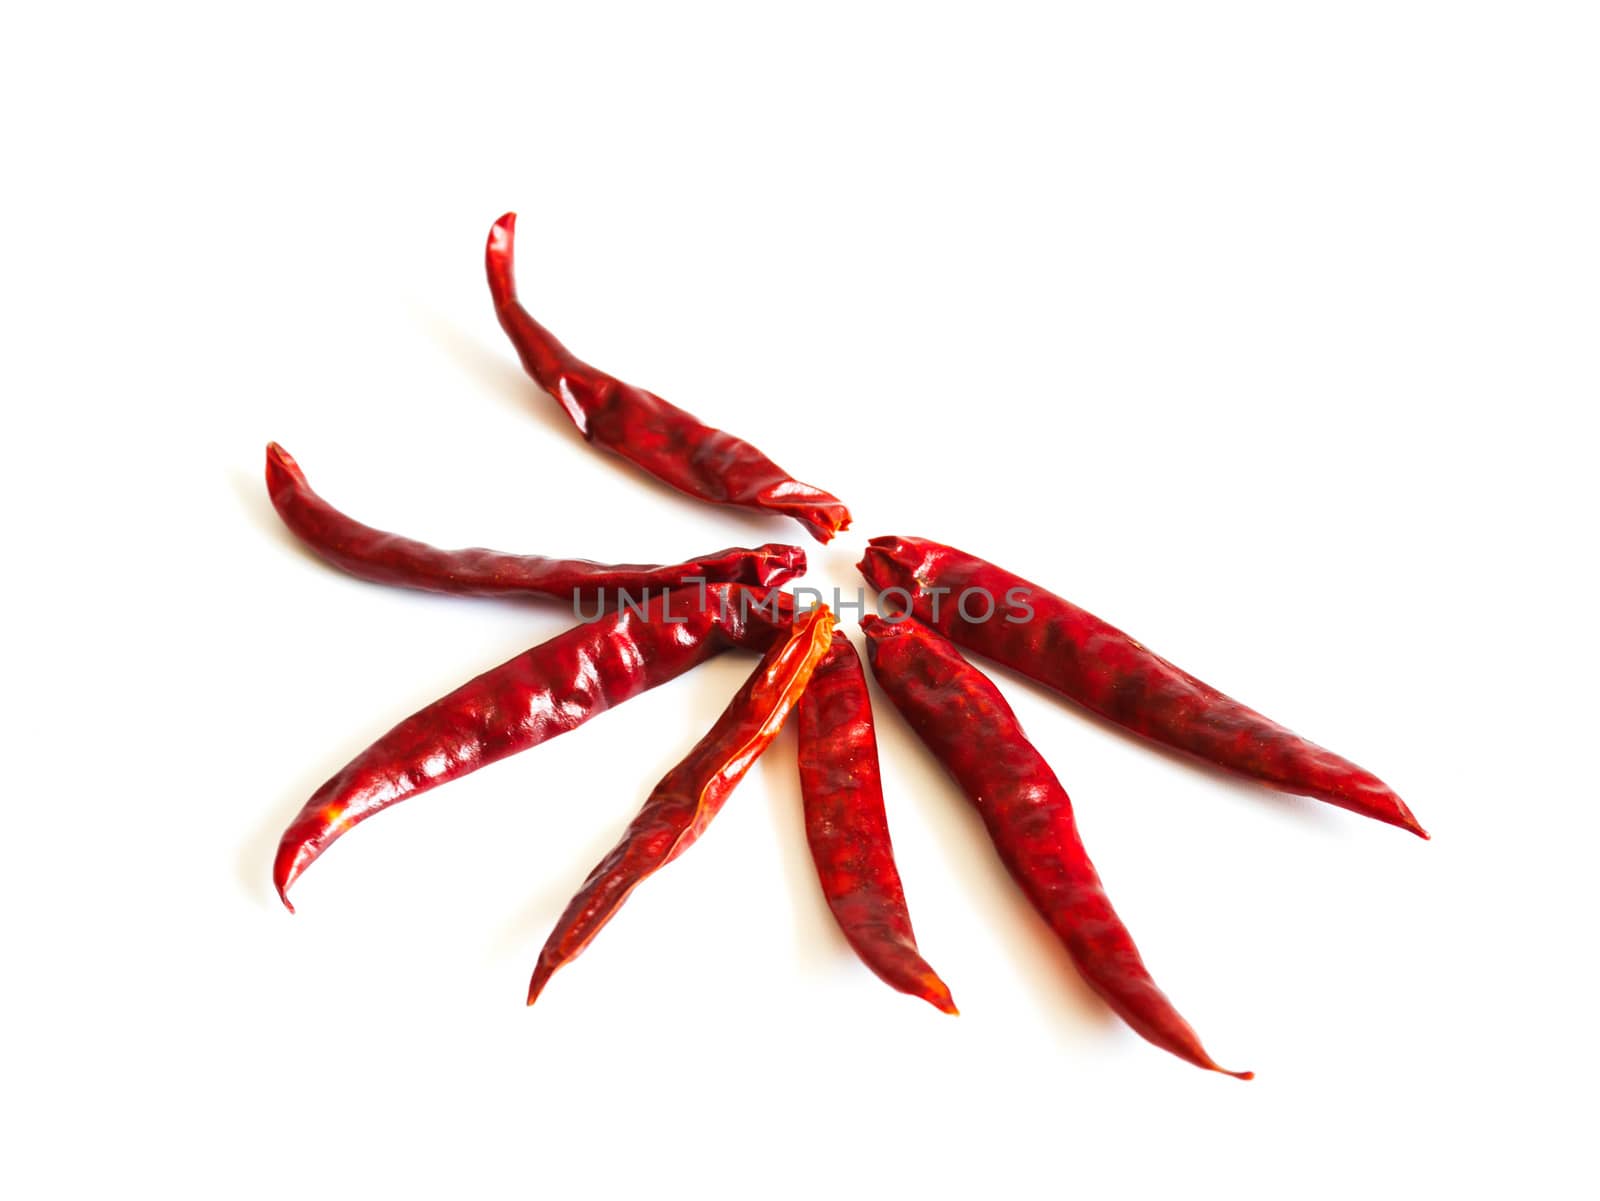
(548, 690)
(1022, 626)
(390, 559)
(848, 830)
(662, 439)
(680, 808)
(961, 716)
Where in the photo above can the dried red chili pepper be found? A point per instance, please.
(548, 690)
(680, 808)
(1094, 663)
(849, 831)
(390, 559)
(662, 439)
(961, 716)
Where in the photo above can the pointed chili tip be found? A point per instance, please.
(286, 868)
(281, 463)
(497, 256)
(541, 977)
(1407, 820)
(501, 234)
(1196, 1054)
(282, 880)
(936, 992)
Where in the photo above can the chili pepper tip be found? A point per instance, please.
(1411, 823)
(1202, 1060)
(282, 885)
(281, 463)
(292, 859)
(932, 989)
(497, 260)
(1402, 817)
(541, 977)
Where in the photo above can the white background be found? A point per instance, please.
(1265, 331)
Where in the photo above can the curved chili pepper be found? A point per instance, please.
(548, 690)
(662, 439)
(849, 831)
(961, 716)
(1024, 627)
(680, 808)
(390, 559)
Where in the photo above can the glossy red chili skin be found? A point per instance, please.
(1095, 664)
(543, 692)
(656, 436)
(390, 559)
(961, 716)
(680, 808)
(848, 830)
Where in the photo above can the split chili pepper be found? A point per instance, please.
(662, 439)
(1024, 627)
(390, 559)
(849, 831)
(680, 808)
(961, 716)
(548, 690)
